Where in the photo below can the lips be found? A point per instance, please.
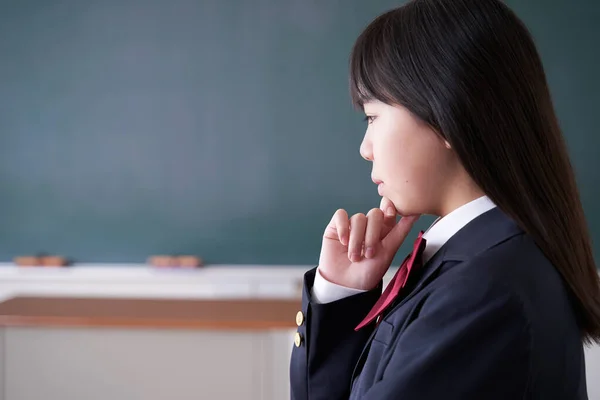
(376, 181)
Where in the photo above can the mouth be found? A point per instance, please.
(379, 184)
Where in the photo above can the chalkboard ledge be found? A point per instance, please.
(143, 281)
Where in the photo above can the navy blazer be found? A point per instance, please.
(487, 317)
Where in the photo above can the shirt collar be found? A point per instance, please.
(444, 228)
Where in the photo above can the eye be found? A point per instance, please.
(369, 119)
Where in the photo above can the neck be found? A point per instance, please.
(459, 197)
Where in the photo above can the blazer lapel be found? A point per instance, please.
(482, 233)
(428, 271)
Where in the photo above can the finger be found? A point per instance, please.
(358, 224)
(388, 208)
(338, 227)
(390, 213)
(392, 242)
(373, 231)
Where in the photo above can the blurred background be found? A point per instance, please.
(221, 129)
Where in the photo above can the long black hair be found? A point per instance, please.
(470, 69)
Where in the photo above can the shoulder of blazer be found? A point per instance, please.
(483, 233)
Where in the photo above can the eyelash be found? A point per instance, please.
(369, 119)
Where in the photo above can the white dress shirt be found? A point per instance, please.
(436, 236)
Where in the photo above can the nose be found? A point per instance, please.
(366, 149)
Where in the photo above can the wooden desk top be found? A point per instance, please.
(251, 314)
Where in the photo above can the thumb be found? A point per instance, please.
(392, 242)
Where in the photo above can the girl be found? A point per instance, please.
(501, 292)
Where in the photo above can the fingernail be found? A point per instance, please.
(370, 252)
(390, 212)
(354, 257)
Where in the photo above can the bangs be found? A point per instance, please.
(371, 75)
(388, 61)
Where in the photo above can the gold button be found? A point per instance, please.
(298, 339)
(299, 318)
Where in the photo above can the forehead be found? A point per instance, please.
(372, 103)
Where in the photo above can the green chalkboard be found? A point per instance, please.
(218, 128)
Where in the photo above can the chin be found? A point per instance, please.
(407, 213)
(402, 209)
(405, 209)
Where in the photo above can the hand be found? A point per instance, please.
(357, 252)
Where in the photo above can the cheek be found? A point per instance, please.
(390, 157)
(418, 165)
(413, 171)
(405, 160)
(435, 173)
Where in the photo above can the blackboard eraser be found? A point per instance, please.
(162, 261)
(27, 261)
(54, 261)
(189, 261)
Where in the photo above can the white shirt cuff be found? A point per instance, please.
(324, 291)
